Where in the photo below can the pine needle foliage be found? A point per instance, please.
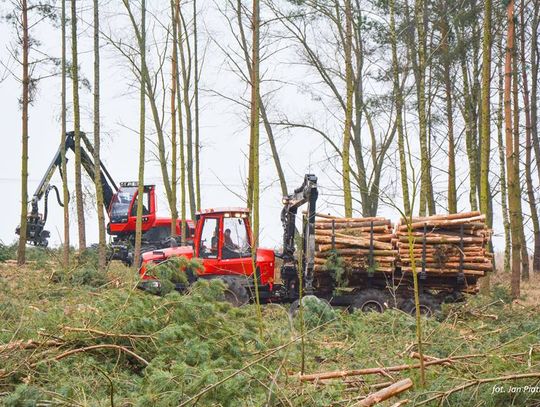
(174, 271)
(336, 267)
(67, 340)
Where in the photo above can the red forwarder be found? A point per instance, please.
(223, 242)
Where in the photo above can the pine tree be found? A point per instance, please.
(398, 96)
(142, 135)
(21, 252)
(253, 179)
(65, 190)
(511, 156)
(485, 137)
(349, 81)
(77, 129)
(102, 245)
(426, 190)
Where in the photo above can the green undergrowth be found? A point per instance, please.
(106, 342)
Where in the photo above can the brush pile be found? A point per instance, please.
(360, 243)
(447, 244)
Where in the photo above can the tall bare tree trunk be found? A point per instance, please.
(398, 96)
(21, 252)
(102, 246)
(534, 108)
(255, 121)
(468, 118)
(181, 137)
(535, 62)
(502, 174)
(77, 128)
(189, 118)
(528, 145)
(349, 81)
(65, 190)
(174, 92)
(196, 101)
(511, 157)
(452, 192)
(519, 212)
(142, 135)
(426, 188)
(485, 137)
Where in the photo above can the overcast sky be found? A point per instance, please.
(224, 134)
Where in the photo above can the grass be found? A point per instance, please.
(82, 339)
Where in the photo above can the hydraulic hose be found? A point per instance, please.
(46, 202)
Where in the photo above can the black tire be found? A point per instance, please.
(429, 305)
(370, 300)
(235, 293)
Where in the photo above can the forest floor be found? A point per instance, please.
(89, 339)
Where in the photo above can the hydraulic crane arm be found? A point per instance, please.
(88, 164)
(35, 228)
(306, 193)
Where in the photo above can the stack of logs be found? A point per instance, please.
(443, 245)
(447, 244)
(361, 243)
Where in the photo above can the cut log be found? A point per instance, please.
(353, 241)
(390, 269)
(358, 220)
(443, 222)
(376, 229)
(442, 239)
(445, 260)
(328, 247)
(352, 252)
(447, 217)
(386, 393)
(377, 237)
(455, 266)
(351, 224)
(442, 271)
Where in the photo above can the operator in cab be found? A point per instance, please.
(230, 249)
(229, 244)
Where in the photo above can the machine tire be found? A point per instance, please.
(429, 305)
(235, 293)
(370, 300)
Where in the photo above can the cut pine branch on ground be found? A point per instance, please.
(386, 393)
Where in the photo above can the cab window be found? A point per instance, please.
(235, 239)
(146, 204)
(121, 202)
(208, 245)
